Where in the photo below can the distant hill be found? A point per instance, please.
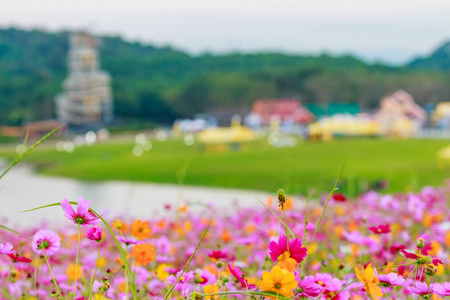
(160, 84)
(439, 60)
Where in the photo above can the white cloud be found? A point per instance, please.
(391, 30)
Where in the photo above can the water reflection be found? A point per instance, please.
(21, 189)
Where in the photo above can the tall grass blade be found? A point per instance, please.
(187, 264)
(21, 156)
(278, 217)
(326, 204)
(16, 232)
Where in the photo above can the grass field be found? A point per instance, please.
(406, 164)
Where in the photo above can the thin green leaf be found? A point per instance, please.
(335, 295)
(16, 232)
(326, 204)
(279, 218)
(18, 158)
(187, 264)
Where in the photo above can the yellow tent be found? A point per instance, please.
(222, 135)
(442, 110)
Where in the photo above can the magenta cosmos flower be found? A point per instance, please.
(46, 239)
(296, 251)
(6, 248)
(380, 229)
(83, 216)
(237, 273)
(95, 234)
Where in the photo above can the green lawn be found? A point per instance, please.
(404, 163)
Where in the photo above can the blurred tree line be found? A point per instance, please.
(161, 84)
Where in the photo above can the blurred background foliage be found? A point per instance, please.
(160, 84)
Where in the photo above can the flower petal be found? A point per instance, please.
(69, 212)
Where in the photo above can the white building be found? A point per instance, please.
(87, 97)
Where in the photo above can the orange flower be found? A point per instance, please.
(367, 276)
(226, 236)
(71, 270)
(287, 262)
(211, 289)
(140, 230)
(144, 253)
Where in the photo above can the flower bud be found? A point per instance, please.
(424, 260)
(431, 270)
(420, 243)
(196, 296)
(219, 264)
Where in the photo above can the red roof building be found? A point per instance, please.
(285, 109)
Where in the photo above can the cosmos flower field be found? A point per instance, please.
(374, 246)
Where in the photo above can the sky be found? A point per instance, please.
(393, 31)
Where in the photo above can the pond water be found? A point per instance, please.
(22, 189)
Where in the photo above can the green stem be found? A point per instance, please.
(7, 281)
(76, 266)
(395, 266)
(53, 277)
(95, 273)
(287, 236)
(385, 294)
(126, 273)
(401, 293)
(343, 288)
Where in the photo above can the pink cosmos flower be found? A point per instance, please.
(95, 234)
(390, 279)
(422, 289)
(237, 273)
(83, 216)
(442, 289)
(128, 241)
(296, 251)
(6, 248)
(46, 239)
(380, 229)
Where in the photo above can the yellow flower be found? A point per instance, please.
(367, 277)
(70, 272)
(211, 289)
(279, 281)
(161, 272)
